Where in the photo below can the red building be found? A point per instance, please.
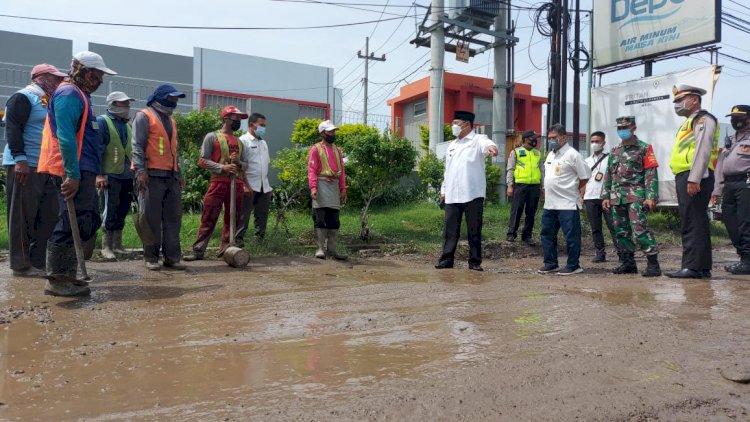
(462, 92)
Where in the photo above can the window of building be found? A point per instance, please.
(420, 108)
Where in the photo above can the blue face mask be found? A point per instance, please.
(624, 134)
(554, 144)
(260, 131)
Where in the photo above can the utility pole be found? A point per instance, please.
(500, 89)
(577, 79)
(367, 56)
(565, 19)
(437, 56)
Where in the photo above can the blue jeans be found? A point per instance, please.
(570, 222)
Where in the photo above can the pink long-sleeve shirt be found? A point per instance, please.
(314, 166)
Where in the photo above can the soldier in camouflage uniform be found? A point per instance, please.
(630, 190)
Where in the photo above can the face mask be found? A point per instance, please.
(554, 144)
(456, 130)
(330, 138)
(739, 123)
(119, 111)
(534, 143)
(597, 147)
(163, 109)
(260, 131)
(624, 134)
(236, 125)
(680, 110)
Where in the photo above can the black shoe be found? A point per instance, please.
(476, 267)
(546, 269)
(705, 274)
(741, 268)
(652, 269)
(531, 242)
(570, 271)
(443, 265)
(175, 266)
(728, 268)
(510, 238)
(194, 256)
(628, 265)
(686, 273)
(601, 256)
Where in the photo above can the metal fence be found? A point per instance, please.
(380, 121)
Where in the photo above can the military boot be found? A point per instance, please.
(332, 239)
(743, 267)
(601, 256)
(652, 269)
(628, 264)
(107, 241)
(117, 243)
(321, 235)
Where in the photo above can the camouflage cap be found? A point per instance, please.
(740, 111)
(626, 121)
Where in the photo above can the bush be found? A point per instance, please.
(196, 178)
(493, 174)
(431, 170)
(193, 127)
(291, 192)
(424, 136)
(305, 132)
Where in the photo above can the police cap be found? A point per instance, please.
(740, 111)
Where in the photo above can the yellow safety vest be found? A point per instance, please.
(527, 166)
(683, 150)
(325, 166)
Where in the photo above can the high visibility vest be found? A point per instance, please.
(161, 150)
(325, 166)
(114, 155)
(224, 148)
(527, 166)
(683, 150)
(50, 158)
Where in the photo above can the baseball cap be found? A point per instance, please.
(739, 111)
(232, 110)
(326, 126)
(43, 68)
(118, 96)
(94, 61)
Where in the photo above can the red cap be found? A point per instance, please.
(43, 68)
(232, 110)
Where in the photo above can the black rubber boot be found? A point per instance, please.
(628, 265)
(601, 256)
(743, 267)
(652, 269)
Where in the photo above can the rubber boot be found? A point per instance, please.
(743, 267)
(117, 243)
(88, 247)
(321, 236)
(652, 269)
(601, 256)
(62, 267)
(628, 264)
(332, 240)
(107, 241)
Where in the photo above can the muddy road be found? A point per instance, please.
(377, 338)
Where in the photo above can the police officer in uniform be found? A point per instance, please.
(631, 188)
(733, 185)
(692, 162)
(524, 178)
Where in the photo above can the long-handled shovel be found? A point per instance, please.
(77, 238)
(234, 256)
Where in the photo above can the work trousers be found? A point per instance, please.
(524, 197)
(696, 234)
(257, 204)
(474, 211)
(570, 222)
(161, 205)
(594, 215)
(735, 212)
(630, 221)
(326, 218)
(31, 216)
(216, 198)
(116, 201)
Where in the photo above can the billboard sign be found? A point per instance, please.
(650, 101)
(627, 30)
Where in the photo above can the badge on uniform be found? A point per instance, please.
(522, 153)
(94, 125)
(557, 170)
(599, 176)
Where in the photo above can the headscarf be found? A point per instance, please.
(80, 75)
(47, 82)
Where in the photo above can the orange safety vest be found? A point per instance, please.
(50, 158)
(157, 156)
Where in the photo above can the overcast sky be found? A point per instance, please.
(336, 47)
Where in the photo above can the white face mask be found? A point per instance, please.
(597, 147)
(456, 130)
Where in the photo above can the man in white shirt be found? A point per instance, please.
(259, 193)
(592, 201)
(565, 175)
(464, 188)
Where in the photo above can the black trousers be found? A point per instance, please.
(116, 202)
(454, 213)
(696, 235)
(594, 214)
(735, 213)
(326, 218)
(258, 204)
(524, 197)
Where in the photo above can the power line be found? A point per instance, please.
(219, 28)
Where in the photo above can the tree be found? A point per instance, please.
(193, 127)
(424, 136)
(375, 162)
(431, 170)
(292, 163)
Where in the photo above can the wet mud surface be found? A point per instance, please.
(379, 338)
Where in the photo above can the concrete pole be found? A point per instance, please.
(500, 97)
(437, 51)
(367, 63)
